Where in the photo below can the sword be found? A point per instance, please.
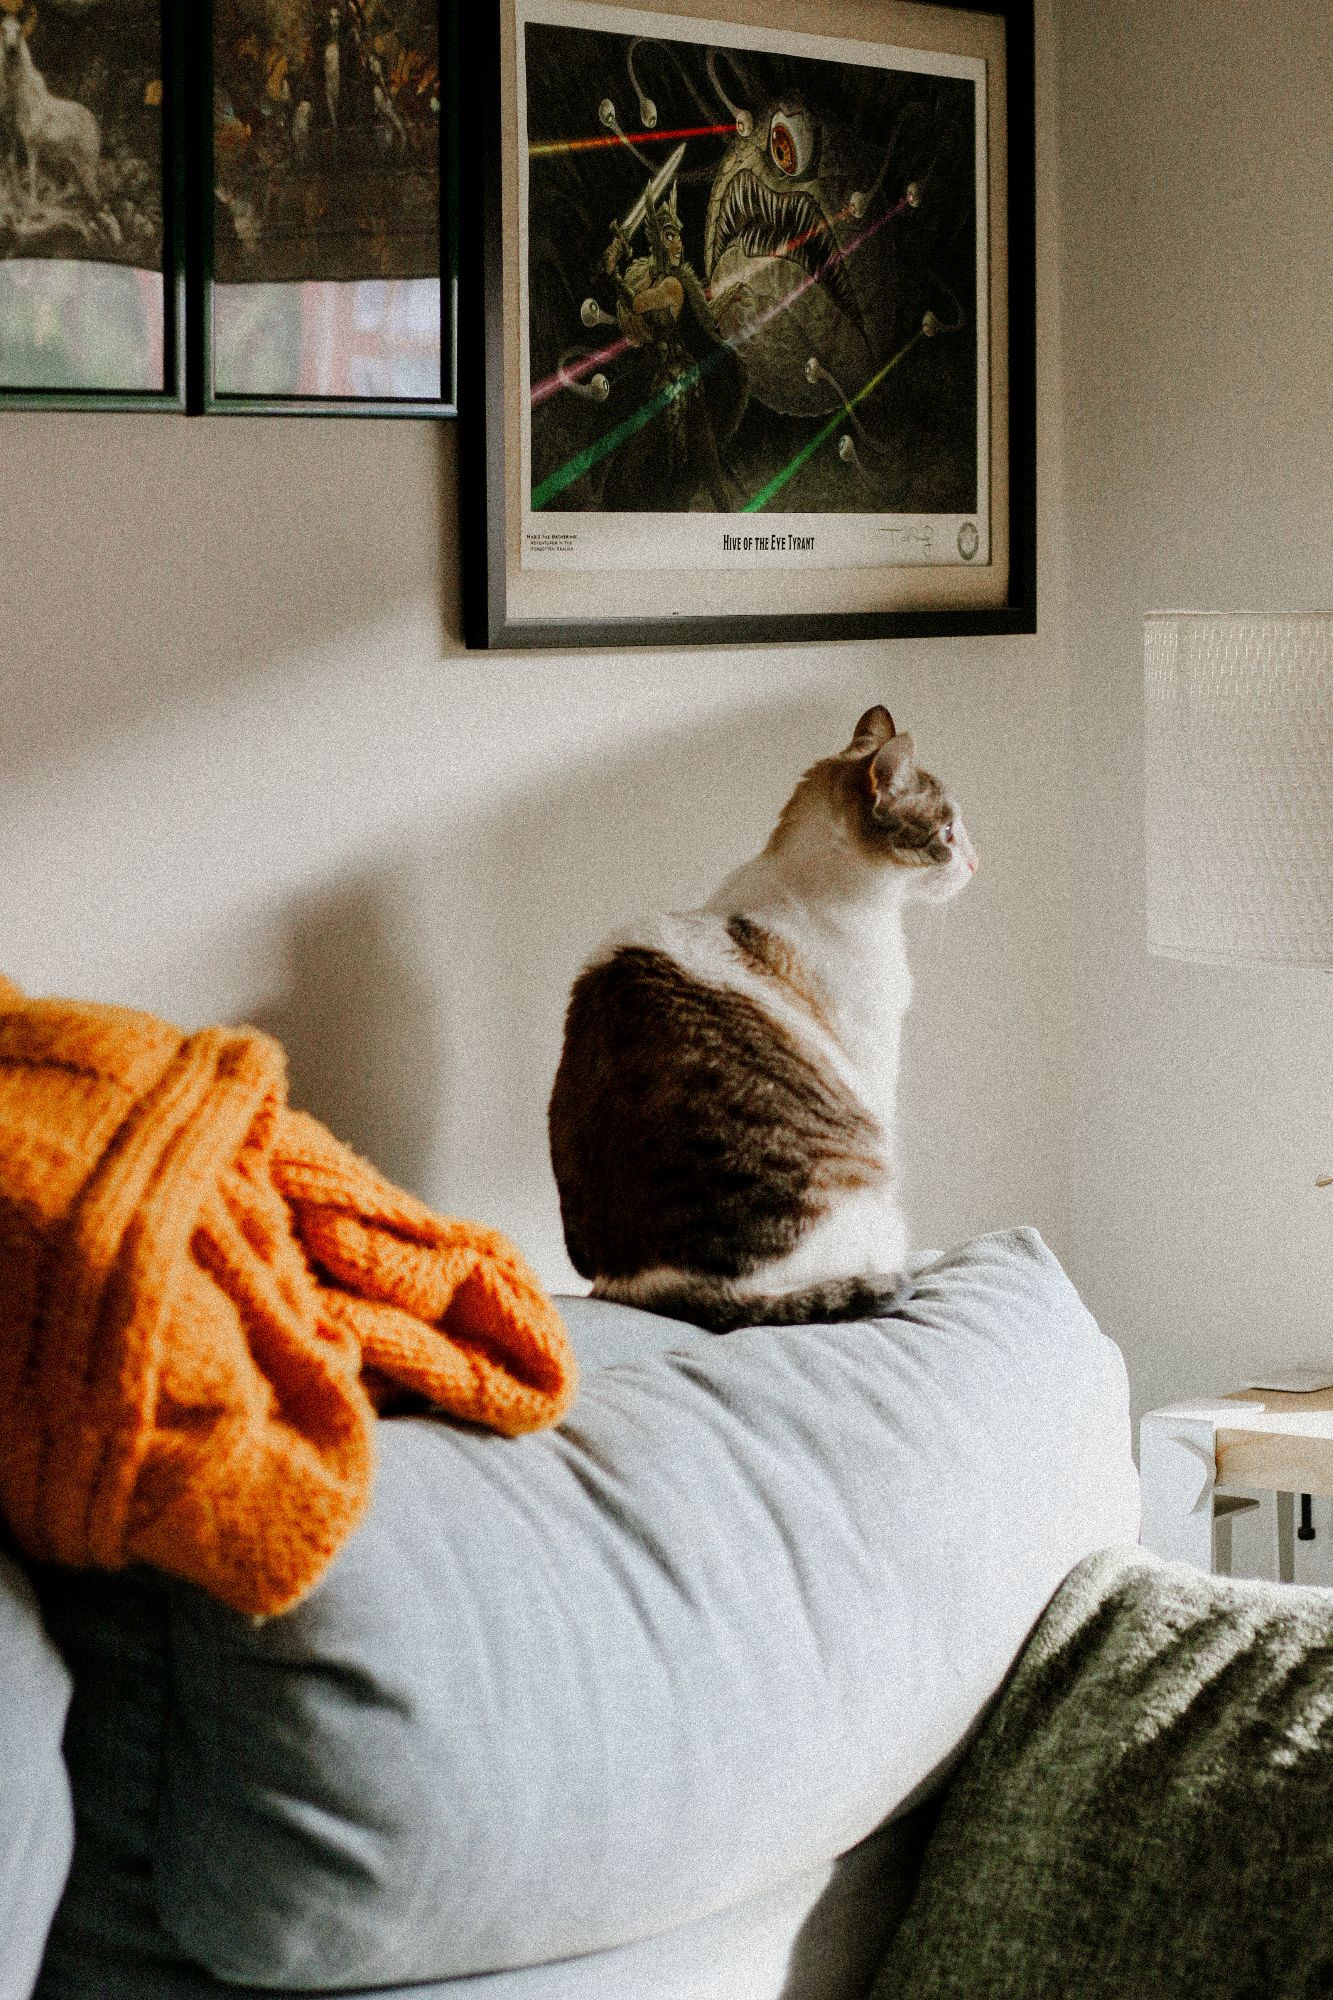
(658, 185)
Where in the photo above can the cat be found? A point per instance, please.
(721, 1122)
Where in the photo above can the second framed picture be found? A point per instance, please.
(749, 321)
(325, 277)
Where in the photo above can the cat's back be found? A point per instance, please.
(691, 1104)
(688, 985)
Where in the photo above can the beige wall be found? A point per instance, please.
(246, 770)
(1197, 152)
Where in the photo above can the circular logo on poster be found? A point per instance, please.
(969, 541)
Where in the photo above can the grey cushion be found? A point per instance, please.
(565, 1692)
(36, 1818)
(818, 1937)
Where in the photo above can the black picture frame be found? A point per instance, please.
(171, 395)
(495, 611)
(203, 394)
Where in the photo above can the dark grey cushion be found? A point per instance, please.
(36, 1818)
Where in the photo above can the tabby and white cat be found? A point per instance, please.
(722, 1117)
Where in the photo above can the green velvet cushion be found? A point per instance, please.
(1148, 1814)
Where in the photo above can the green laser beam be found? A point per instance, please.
(583, 461)
(556, 482)
(808, 450)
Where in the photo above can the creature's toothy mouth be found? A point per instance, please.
(760, 222)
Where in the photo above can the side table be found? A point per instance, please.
(1275, 1441)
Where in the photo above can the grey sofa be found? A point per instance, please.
(651, 1707)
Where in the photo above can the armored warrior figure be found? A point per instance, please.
(663, 310)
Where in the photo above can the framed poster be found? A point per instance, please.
(326, 280)
(91, 201)
(749, 346)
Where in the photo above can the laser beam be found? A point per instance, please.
(546, 149)
(583, 461)
(564, 476)
(814, 277)
(577, 370)
(808, 450)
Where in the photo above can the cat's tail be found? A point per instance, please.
(716, 1304)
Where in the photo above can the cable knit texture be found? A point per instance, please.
(204, 1297)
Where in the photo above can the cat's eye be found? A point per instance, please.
(946, 834)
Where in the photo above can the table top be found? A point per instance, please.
(1281, 1441)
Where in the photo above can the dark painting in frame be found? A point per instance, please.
(324, 274)
(92, 204)
(748, 348)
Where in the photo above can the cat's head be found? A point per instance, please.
(884, 808)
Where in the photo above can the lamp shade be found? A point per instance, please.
(1239, 773)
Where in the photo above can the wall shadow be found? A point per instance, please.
(365, 1041)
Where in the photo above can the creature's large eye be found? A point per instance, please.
(791, 142)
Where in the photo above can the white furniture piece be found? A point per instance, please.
(1267, 1440)
(1238, 739)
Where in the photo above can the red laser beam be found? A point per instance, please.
(558, 481)
(788, 299)
(576, 370)
(542, 149)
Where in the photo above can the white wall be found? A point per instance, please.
(1197, 150)
(247, 771)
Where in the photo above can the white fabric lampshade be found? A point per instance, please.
(1239, 768)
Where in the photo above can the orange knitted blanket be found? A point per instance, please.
(203, 1299)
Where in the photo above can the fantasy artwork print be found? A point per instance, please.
(756, 322)
(82, 292)
(327, 240)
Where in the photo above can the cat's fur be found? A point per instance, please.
(723, 1113)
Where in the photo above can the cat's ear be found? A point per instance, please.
(874, 728)
(889, 772)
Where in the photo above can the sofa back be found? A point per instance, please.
(36, 1817)
(565, 1692)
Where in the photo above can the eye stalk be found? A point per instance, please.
(791, 143)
